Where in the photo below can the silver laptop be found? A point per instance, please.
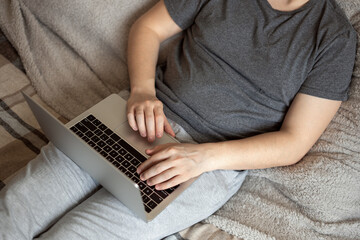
(103, 144)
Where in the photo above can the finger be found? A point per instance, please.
(131, 119)
(156, 169)
(158, 148)
(168, 128)
(150, 124)
(140, 121)
(170, 183)
(159, 121)
(162, 177)
(159, 156)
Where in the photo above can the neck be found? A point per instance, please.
(287, 5)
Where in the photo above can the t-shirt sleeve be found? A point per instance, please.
(331, 74)
(184, 12)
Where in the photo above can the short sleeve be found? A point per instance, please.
(184, 12)
(330, 76)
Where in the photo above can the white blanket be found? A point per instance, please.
(75, 55)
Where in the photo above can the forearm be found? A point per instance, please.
(262, 151)
(145, 37)
(143, 48)
(305, 121)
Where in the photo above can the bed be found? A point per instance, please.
(318, 198)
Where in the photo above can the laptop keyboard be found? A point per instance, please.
(123, 156)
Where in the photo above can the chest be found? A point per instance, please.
(273, 51)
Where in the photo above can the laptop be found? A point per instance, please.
(101, 142)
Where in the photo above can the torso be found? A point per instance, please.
(239, 66)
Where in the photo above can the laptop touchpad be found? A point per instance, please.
(138, 142)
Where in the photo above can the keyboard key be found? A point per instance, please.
(129, 174)
(98, 132)
(81, 127)
(101, 144)
(74, 129)
(88, 124)
(89, 134)
(147, 209)
(162, 194)
(169, 190)
(115, 137)
(113, 153)
(122, 152)
(135, 179)
(96, 122)
(80, 134)
(95, 139)
(142, 185)
(103, 153)
(156, 198)
(92, 144)
(132, 150)
(120, 158)
(116, 164)
(152, 188)
(126, 164)
(136, 175)
(122, 168)
(151, 204)
(135, 162)
(110, 159)
(128, 157)
(145, 198)
(104, 137)
(132, 169)
(108, 132)
(147, 191)
(97, 148)
(91, 118)
(85, 138)
(110, 142)
(102, 127)
(107, 149)
(116, 146)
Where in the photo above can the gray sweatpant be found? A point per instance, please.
(52, 198)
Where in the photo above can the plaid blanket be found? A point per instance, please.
(20, 137)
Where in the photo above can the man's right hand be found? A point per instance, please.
(145, 114)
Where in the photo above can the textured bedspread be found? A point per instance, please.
(74, 56)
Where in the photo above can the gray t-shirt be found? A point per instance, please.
(241, 63)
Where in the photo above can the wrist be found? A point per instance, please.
(147, 90)
(212, 156)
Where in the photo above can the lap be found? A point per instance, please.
(102, 216)
(53, 191)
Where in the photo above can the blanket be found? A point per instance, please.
(20, 136)
(75, 55)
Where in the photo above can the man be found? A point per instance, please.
(255, 82)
